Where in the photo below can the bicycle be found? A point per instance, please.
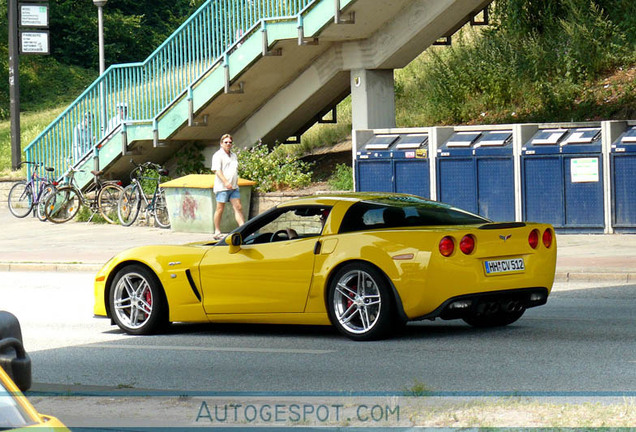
(31, 194)
(67, 200)
(130, 200)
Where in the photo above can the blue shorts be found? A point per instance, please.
(226, 195)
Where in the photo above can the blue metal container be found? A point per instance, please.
(562, 178)
(622, 168)
(394, 163)
(475, 171)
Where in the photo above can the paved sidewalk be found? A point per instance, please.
(28, 244)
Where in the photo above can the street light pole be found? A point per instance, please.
(100, 23)
(102, 67)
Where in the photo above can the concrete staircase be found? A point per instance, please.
(286, 75)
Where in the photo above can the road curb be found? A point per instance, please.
(49, 267)
(574, 276)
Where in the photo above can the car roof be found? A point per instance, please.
(331, 198)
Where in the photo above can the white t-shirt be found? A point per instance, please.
(228, 165)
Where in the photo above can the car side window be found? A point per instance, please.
(287, 224)
(372, 215)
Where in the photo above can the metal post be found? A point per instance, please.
(14, 84)
(102, 67)
(100, 24)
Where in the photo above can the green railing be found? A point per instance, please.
(141, 91)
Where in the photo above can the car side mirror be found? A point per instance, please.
(235, 242)
(13, 358)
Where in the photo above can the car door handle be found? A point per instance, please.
(317, 247)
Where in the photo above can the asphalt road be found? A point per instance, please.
(583, 340)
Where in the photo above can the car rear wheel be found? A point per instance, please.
(499, 318)
(137, 302)
(360, 304)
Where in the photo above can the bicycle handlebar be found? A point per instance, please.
(37, 166)
(144, 166)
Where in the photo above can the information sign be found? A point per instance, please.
(34, 15)
(34, 42)
(584, 170)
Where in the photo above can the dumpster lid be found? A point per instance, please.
(495, 139)
(411, 141)
(199, 181)
(381, 142)
(629, 137)
(582, 136)
(463, 139)
(548, 136)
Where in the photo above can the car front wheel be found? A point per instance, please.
(360, 304)
(136, 300)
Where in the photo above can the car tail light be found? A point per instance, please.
(547, 238)
(467, 244)
(533, 238)
(447, 246)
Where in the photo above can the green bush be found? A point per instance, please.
(273, 170)
(190, 160)
(342, 178)
(531, 65)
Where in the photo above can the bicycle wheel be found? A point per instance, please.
(46, 193)
(63, 205)
(128, 205)
(107, 202)
(162, 216)
(20, 199)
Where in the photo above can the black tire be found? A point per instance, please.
(162, 217)
(108, 202)
(361, 313)
(20, 199)
(63, 205)
(499, 318)
(137, 301)
(48, 191)
(128, 205)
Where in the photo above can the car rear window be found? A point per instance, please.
(396, 212)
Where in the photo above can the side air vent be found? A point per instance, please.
(192, 285)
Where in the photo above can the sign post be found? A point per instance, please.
(14, 85)
(28, 41)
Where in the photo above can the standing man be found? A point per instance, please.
(225, 167)
(82, 138)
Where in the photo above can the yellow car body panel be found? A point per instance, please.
(171, 272)
(31, 416)
(287, 281)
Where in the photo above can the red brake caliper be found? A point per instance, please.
(149, 298)
(349, 301)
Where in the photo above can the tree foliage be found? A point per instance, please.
(133, 29)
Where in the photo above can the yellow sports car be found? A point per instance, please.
(16, 412)
(364, 262)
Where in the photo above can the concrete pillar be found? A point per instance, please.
(372, 99)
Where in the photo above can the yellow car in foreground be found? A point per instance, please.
(364, 262)
(17, 413)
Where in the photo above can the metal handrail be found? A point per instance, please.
(148, 88)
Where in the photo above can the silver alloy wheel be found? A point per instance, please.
(357, 302)
(133, 300)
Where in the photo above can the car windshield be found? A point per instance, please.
(404, 211)
(12, 415)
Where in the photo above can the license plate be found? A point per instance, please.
(504, 266)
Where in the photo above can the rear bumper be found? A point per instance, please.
(488, 302)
